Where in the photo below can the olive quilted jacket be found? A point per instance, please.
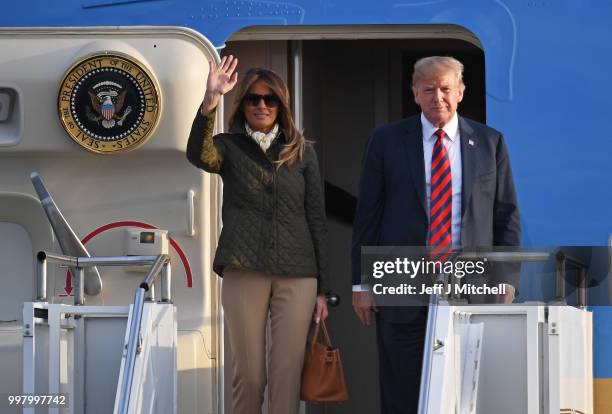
(273, 219)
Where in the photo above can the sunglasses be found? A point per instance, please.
(253, 99)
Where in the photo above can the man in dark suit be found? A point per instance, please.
(436, 180)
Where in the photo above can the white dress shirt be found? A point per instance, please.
(452, 143)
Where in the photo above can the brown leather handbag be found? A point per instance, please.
(322, 376)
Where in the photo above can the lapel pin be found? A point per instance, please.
(471, 142)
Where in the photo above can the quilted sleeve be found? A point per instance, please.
(203, 150)
(314, 204)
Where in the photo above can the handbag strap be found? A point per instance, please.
(326, 334)
(315, 336)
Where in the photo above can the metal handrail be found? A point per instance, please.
(97, 261)
(428, 348)
(159, 265)
(79, 264)
(430, 342)
(505, 256)
(132, 347)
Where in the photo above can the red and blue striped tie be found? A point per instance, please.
(441, 200)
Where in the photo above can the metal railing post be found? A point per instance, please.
(150, 294)
(41, 277)
(560, 278)
(166, 283)
(583, 287)
(78, 282)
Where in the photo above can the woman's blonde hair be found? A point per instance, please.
(294, 149)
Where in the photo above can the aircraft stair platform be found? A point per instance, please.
(102, 359)
(530, 358)
(78, 358)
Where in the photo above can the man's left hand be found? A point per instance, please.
(507, 297)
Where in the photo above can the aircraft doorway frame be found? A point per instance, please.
(282, 49)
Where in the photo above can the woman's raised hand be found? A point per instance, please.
(220, 80)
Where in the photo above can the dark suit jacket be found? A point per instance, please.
(392, 211)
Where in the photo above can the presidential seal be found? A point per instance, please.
(109, 103)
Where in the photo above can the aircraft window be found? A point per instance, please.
(10, 117)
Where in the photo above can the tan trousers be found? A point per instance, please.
(247, 299)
